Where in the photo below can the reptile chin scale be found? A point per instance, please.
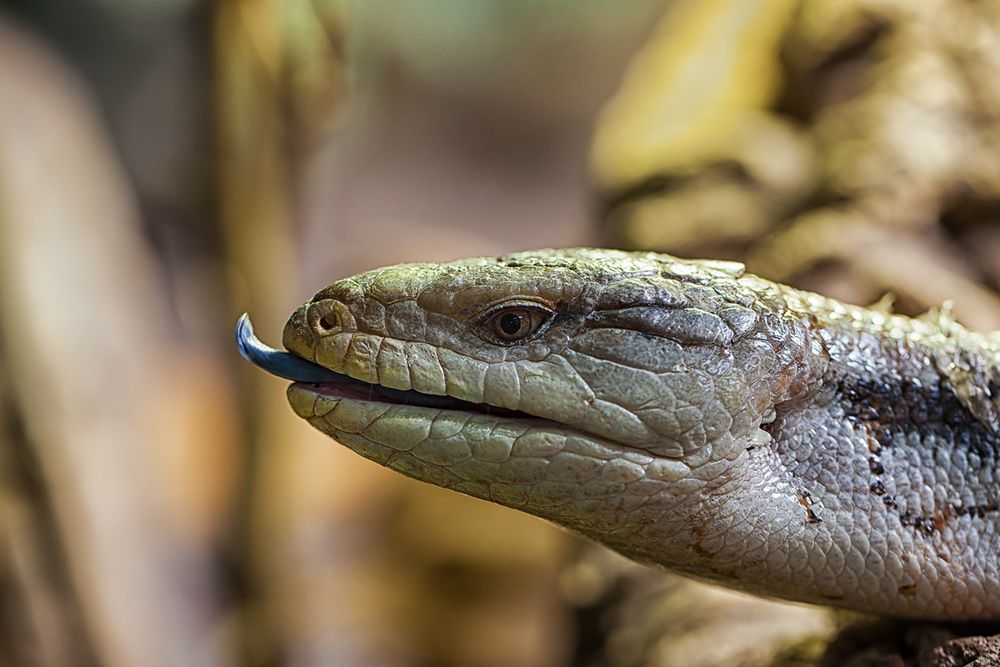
(684, 413)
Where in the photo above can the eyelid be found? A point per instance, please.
(494, 308)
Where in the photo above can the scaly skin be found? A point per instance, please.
(687, 415)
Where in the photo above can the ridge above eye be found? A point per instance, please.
(513, 322)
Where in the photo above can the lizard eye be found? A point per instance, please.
(514, 322)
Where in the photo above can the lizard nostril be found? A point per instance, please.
(329, 316)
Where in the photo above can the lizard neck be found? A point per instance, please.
(878, 487)
(895, 454)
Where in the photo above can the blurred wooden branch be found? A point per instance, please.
(87, 350)
(701, 85)
(43, 625)
(858, 134)
(280, 84)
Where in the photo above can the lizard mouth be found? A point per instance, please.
(320, 380)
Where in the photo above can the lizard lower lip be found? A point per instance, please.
(316, 378)
(356, 390)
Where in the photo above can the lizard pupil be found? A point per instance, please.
(511, 324)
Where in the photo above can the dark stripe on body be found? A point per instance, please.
(888, 412)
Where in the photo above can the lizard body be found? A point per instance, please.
(682, 412)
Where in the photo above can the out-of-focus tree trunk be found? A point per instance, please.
(280, 79)
(89, 362)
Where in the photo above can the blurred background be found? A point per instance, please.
(166, 165)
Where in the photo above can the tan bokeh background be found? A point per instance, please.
(167, 164)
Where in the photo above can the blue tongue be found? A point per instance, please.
(277, 362)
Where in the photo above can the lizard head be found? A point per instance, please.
(606, 391)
